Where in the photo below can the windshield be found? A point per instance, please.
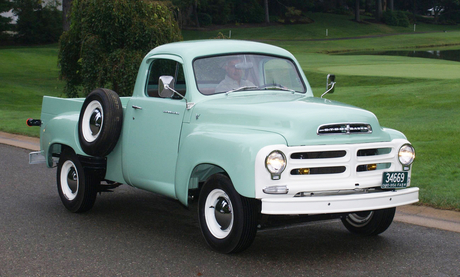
(230, 73)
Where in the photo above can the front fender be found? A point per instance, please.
(232, 149)
(394, 134)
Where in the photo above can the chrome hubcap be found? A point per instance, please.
(72, 180)
(95, 122)
(223, 213)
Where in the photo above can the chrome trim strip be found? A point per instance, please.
(347, 127)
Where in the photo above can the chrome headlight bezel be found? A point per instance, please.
(276, 163)
(406, 154)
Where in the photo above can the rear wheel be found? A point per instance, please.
(76, 189)
(228, 220)
(369, 223)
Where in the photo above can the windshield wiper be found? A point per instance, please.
(279, 87)
(241, 88)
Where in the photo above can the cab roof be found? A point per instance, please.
(189, 50)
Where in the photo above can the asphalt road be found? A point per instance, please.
(134, 233)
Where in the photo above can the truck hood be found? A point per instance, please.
(296, 117)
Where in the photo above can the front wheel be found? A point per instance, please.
(76, 189)
(369, 223)
(228, 220)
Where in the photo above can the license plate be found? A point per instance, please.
(396, 179)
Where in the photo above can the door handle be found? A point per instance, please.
(136, 107)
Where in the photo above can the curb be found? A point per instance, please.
(429, 217)
(412, 214)
(20, 141)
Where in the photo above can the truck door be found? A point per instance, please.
(153, 127)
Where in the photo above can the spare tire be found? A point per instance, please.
(100, 122)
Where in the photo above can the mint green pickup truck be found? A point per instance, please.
(235, 126)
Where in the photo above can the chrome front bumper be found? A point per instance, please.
(339, 203)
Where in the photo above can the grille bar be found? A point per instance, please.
(319, 155)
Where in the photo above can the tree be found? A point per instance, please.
(107, 41)
(66, 5)
(357, 10)
(188, 12)
(36, 23)
(5, 6)
(378, 10)
(267, 16)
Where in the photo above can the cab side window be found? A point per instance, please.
(165, 67)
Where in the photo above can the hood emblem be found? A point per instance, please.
(344, 129)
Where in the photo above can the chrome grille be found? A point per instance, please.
(336, 161)
(344, 129)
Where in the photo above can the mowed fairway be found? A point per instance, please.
(402, 67)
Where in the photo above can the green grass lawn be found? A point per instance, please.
(416, 96)
(26, 74)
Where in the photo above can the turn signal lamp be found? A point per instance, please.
(371, 167)
(304, 171)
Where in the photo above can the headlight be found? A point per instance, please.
(275, 163)
(406, 154)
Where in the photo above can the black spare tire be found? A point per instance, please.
(100, 122)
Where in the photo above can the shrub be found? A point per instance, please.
(107, 41)
(403, 20)
(450, 17)
(395, 18)
(294, 16)
(205, 19)
(389, 18)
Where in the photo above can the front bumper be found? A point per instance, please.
(339, 204)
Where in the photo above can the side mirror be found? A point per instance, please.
(166, 86)
(330, 84)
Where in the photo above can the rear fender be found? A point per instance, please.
(60, 130)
